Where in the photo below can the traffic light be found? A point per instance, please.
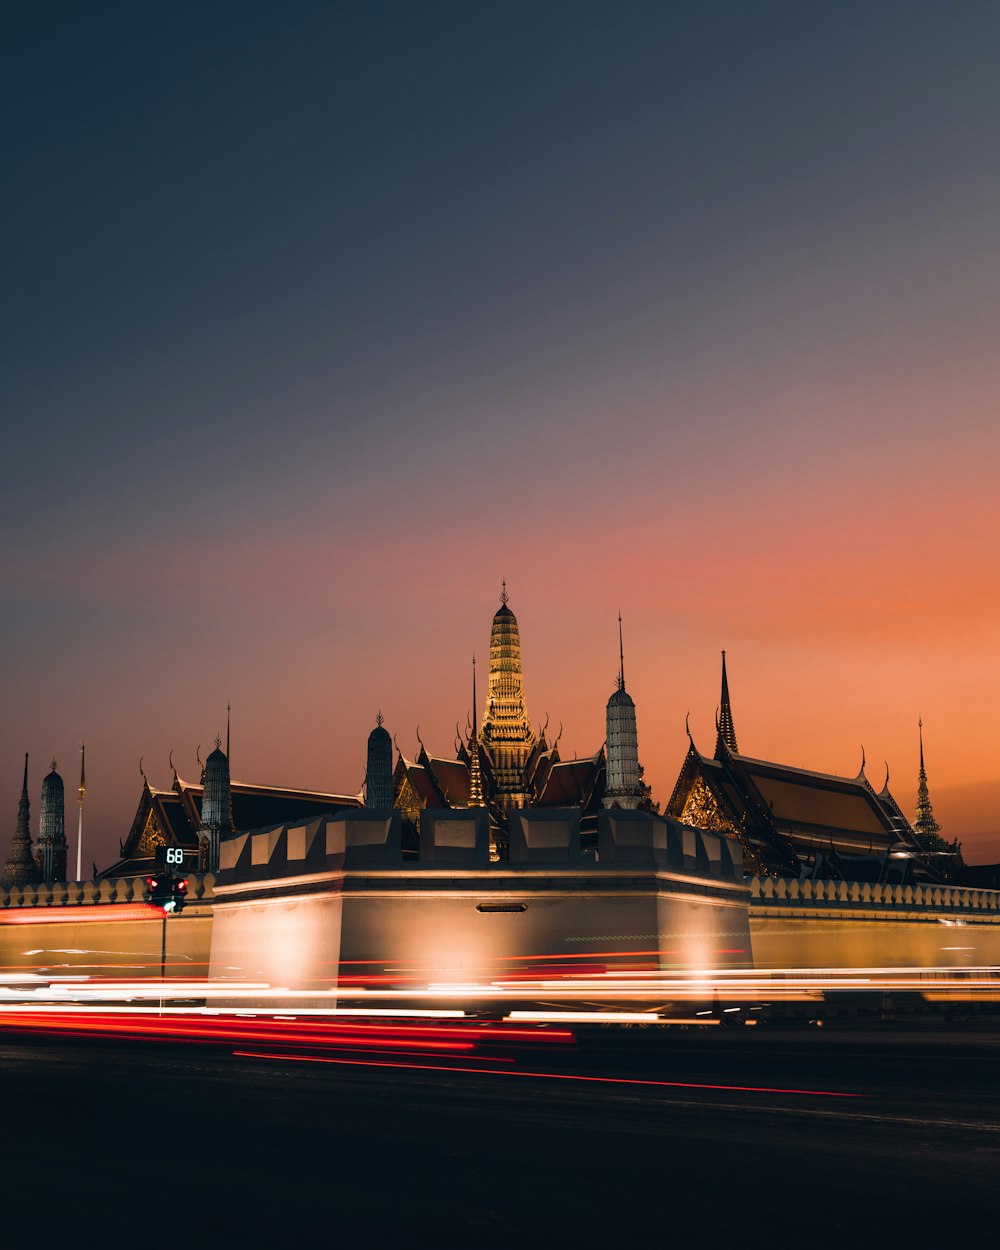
(167, 891)
(159, 889)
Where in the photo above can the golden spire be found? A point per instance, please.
(507, 734)
(475, 769)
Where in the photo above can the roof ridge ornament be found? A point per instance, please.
(503, 592)
(725, 730)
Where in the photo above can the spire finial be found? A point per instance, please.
(218, 742)
(378, 718)
(926, 825)
(475, 712)
(726, 734)
(503, 592)
(53, 763)
(83, 779)
(24, 784)
(621, 655)
(228, 711)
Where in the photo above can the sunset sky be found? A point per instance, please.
(320, 319)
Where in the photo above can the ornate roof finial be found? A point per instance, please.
(141, 773)
(726, 734)
(228, 711)
(170, 762)
(475, 712)
(378, 718)
(53, 763)
(83, 780)
(925, 825)
(475, 768)
(885, 784)
(621, 655)
(862, 772)
(218, 742)
(503, 591)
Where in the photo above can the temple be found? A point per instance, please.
(789, 822)
(197, 816)
(501, 764)
(792, 821)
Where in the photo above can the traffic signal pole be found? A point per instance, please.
(167, 890)
(163, 959)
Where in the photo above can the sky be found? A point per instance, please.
(320, 319)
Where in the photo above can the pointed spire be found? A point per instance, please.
(503, 592)
(726, 731)
(379, 720)
(475, 767)
(20, 868)
(83, 776)
(621, 655)
(925, 826)
(228, 711)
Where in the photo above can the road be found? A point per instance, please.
(121, 1144)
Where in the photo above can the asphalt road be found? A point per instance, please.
(110, 1144)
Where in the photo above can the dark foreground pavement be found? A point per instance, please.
(121, 1145)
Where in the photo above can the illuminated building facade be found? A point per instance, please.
(503, 764)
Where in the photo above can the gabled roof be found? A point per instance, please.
(177, 813)
(451, 778)
(801, 801)
(573, 783)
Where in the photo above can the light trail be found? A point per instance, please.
(553, 1076)
(611, 997)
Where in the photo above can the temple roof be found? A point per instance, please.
(572, 782)
(175, 814)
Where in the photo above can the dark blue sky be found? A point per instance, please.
(312, 311)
